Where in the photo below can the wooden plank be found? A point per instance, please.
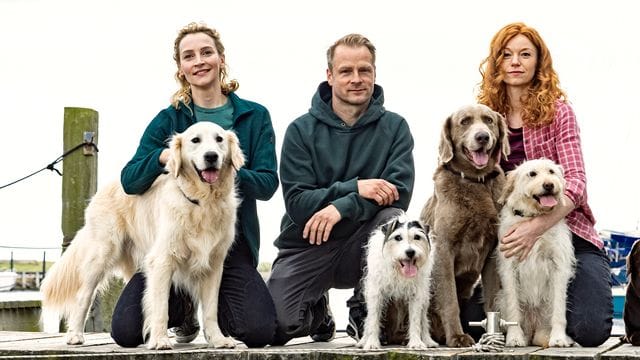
(576, 352)
(624, 351)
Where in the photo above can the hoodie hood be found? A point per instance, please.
(322, 111)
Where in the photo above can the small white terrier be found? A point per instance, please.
(534, 291)
(398, 272)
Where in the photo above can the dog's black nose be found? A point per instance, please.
(482, 137)
(410, 253)
(548, 186)
(210, 157)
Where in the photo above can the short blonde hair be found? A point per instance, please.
(351, 40)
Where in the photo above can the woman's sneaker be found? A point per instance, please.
(190, 328)
(327, 330)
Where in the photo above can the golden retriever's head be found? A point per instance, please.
(204, 152)
(406, 245)
(475, 138)
(534, 187)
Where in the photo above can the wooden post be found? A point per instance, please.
(80, 178)
(80, 172)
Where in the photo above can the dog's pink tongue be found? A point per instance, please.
(480, 158)
(409, 269)
(548, 201)
(209, 176)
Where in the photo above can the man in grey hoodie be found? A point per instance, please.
(346, 167)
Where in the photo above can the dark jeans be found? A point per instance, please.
(245, 308)
(589, 299)
(300, 278)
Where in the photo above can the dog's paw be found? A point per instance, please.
(74, 338)
(460, 340)
(416, 344)
(560, 340)
(369, 343)
(159, 343)
(515, 337)
(222, 342)
(430, 342)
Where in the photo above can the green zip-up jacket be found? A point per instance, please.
(322, 159)
(258, 179)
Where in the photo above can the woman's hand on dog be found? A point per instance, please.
(381, 191)
(319, 226)
(520, 238)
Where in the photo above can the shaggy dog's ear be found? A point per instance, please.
(175, 156)
(235, 153)
(445, 149)
(503, 137)
(508, 188)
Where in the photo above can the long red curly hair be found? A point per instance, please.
(538, 102)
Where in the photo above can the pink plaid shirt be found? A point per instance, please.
(560, 142)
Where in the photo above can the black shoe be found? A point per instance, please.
(327, 330)
(190, 328)
(355, 327)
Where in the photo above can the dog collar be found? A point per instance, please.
(193, 201)
(520, 213)
(479, 179)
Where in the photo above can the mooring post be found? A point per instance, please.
(79, 178)
(80, 170)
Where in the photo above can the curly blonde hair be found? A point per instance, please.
(183, 95)
(538, 102)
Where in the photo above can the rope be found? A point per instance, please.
(490, 343)
(51, 166)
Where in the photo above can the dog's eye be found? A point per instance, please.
(487, 119)
(219, 138)
(417, 237)
(465, 121)
(195, 140)
(551, 171)
(397, 238)
(533, 173)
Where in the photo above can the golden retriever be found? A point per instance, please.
(398, 273)
(179, 231)
(534, 290)
(462, 214)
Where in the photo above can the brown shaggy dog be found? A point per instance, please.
(631, 312)
(463, 215)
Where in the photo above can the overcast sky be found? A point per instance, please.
(116, 57)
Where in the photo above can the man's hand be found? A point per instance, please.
(381, 191)
(319, 226)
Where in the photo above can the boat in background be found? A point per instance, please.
(618, 245)
(8, 280)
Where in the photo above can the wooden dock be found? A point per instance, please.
(37, 345)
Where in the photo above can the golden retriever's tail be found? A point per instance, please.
(62, 281)
(71, 284)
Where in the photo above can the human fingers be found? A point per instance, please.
(392, 190)
(327, 231)
(311, 229)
